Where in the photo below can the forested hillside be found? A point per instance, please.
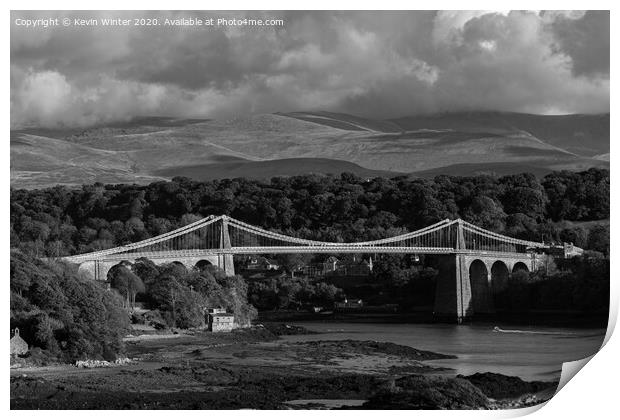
(62, 221)
(60, 316)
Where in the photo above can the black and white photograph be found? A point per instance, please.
(306, 209)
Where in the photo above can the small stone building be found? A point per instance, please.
(18, 345)
(221, 322)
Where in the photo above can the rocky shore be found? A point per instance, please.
(234, 370)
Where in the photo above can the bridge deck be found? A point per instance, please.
(192, 253)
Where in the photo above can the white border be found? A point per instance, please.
(592, 394)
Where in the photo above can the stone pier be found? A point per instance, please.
(467, 282)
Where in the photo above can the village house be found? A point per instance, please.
(333, 266)
(330, 264)
(566, 250)
(355, 268)
(260, 263)
(311, 270)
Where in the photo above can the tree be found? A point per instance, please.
(521, 226)
(146, 269)
(578, 196)
(326, 294)
(576, 235)
(523, 194)
(486, 213)
(389, 270)
(598, 239)
(188, 309)
(127, 283)
(165, 294)
(207, 286)
(292, 262)
(263, 294)
(21, 275)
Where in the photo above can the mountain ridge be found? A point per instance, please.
(155, 148)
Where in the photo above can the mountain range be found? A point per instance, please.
(148, 149)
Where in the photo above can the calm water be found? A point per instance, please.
(532, 354)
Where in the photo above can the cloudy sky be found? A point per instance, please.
(376, 64)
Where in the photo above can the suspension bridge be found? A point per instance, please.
(473, 262)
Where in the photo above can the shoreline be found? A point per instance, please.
(545, 319)
(232, 370)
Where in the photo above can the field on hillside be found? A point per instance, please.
(262, 146)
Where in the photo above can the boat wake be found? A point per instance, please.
(500, 330)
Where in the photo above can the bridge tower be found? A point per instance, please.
(453, 296)
(225, 260)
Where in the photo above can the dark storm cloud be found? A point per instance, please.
(586, 41)
(379, 64)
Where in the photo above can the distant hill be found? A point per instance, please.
(500, 169)
(604, 156)
(259, 146)
(268, 169)
(583, 134)
(586, 135)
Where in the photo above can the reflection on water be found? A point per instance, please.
(532, 354)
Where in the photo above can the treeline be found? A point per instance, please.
(62, 317)
(61, 221)
(580, 284)
(292, 293)
(179, 297)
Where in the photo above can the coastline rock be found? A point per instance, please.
(286, 329)
(369, 347)
(417, 392)
(498, 386)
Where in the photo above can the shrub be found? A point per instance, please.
(155, 319)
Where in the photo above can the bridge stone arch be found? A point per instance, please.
(123, 263)
(479, 278)
(99, 269)
(181, 264)
(202, 264)
(520, 266)
(499, 276)
(525, 262)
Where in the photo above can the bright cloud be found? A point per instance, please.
(378, 64)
